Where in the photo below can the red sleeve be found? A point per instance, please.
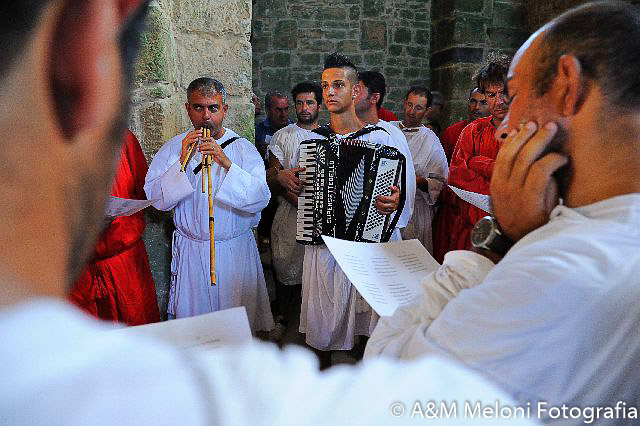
(386, 115)
(450, 137)
(482, 165)
(128, 183)
(464, 171)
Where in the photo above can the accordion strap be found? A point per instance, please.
(224, 144)
(331, 135)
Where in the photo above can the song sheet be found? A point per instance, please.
(125, 207)
(221, 328)
(387, 275)
(481, 201)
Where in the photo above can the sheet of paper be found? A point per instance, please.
(125, 207)
(481, 201)
(387, 275)
(227, 327)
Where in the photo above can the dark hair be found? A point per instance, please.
(605, 38)
(336, 60)
(268, 98)
(420, 91)
(494, 71)
(375, 83)
(17, 21)
(307, 87)
(473, 90)
(437, 96)
(208, 87)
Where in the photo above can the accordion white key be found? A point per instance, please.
(341, 181)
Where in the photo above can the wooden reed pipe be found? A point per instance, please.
(212, 243)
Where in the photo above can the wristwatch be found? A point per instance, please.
(486, 234)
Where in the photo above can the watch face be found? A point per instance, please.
(481, 232)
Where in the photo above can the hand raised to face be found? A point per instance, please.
(523, 189)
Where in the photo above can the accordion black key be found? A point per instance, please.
(341, 181)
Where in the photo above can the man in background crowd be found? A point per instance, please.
(286, 254)
(449, 203)
(474, 156)
(429, 162)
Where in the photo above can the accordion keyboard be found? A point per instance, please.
(305, 223)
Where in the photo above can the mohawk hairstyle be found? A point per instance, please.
(493, 71)
(336, 60)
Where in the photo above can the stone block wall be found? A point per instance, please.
(186, 39)
(464, 32)
(292, 38)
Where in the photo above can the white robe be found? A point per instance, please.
(556, 320)
(430, 162)
(287, 255)
(332, 311)
(61, 367)
(239, 196)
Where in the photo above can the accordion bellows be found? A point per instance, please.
(341, 181)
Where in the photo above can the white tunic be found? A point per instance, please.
(555, 320)
(332, 311)
(286, 253)
(239, 196)
(430, 162)
(61, 367)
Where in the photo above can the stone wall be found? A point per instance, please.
(187, 39)
(291, 38)
(438, 43)
(464, 32)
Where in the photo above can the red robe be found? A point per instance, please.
(471, 168)
(117, 285)
(448, 202)
(450, 137)
(386, 115)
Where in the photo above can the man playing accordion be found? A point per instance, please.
(333, 312)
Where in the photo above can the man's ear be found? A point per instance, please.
(355, 90)
(85, 68)
(568, 88)
(225, 108)
(375, 97)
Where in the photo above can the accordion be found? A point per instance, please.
(341, 181)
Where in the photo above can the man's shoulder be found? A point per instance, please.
(456, 127)
(263, 124)
(291, 129)
(229, 134)
(477, 127)
(391, 128)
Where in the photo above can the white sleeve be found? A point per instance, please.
(275, 146)
(262, 385)
(410, 189)
(164, 181)
(245, 188)
(437, 168)
(404, 335)
(399, 141)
